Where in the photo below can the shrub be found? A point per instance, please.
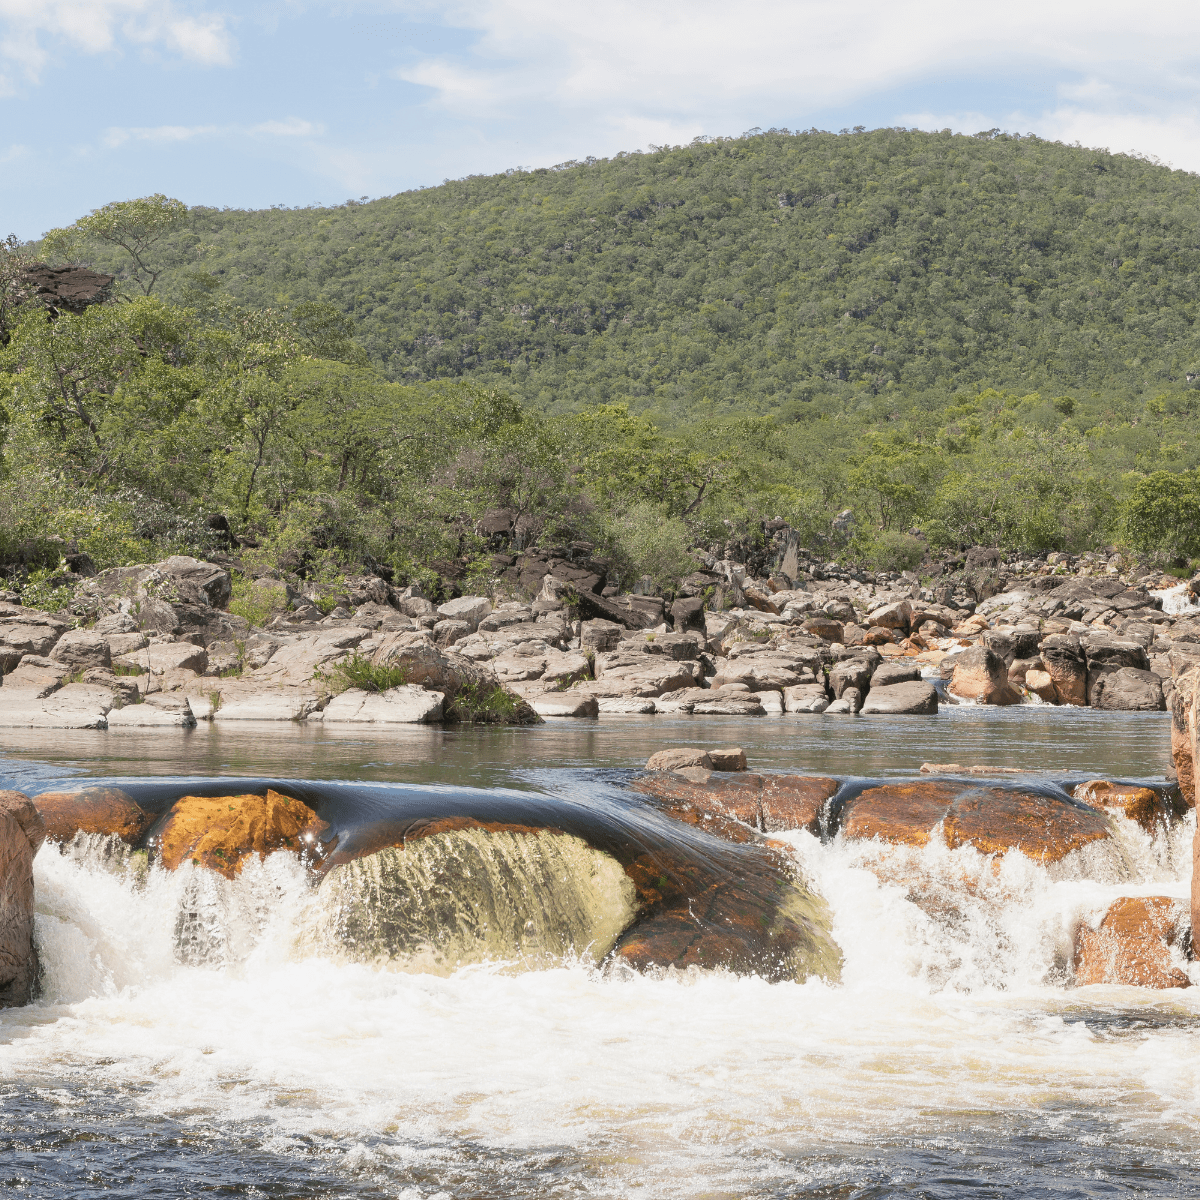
(257, 600)
(645, 541)
(478, 704)
(896, 552)
(1163, 513)
(359, 672)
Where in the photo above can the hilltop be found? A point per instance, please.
(747, 275)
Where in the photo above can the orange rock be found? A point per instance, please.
(1132, 945)
(993, 820)
(1181, 756)
(221, 832)
(93, 810)
(794, 802)
(877, 635)
(1043, 828)
(1143, 805)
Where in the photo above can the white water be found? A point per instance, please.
(948, 1039)
(1176, 601)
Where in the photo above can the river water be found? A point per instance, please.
(951, 1061)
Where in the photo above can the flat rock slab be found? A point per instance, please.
(994, 820)
(916, 698)
(406, 705)
(76, 706)
(565, 704)
(284, 704)
(170, 711)
(167, 656)
(626, 706)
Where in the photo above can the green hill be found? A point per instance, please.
(749, 274)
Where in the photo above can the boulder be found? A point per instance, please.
(731, 759)
(405, 705)
(448, 631)
(1066, 666)
(599, 635)
(722, 705)
(626, 706)
(565, 704)
(76, 706)
(222, 832)
(27, 634)
(805, 698)
(769, 803)
(893, 616)
(1146, 806)
(888, 673)
(79, 649)
(22, 832)
(994, 820)
(249, 701)
(162, 657)
(1126, 690)
(676, 759)
(106, 811)
(33, 678)
(980, 675)
(1132, 945)
(761, 673)
(163, 710)
(823, 627)
(1042, 686)
(850, 673)
(917, 698)
(471, 609)
(688, 613)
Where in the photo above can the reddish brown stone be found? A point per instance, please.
(794, 802)
(1181, 756)
(770, 803)
(1143, 805)
(1041, 827)
(1133, 945)
(899, 812)
(93, 810)
(21, 834)
(993, 820)
(877, 635)
(221, 832)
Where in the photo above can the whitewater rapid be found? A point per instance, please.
(952, 1040)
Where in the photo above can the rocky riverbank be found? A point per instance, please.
(157, 645)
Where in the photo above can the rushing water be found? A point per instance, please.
(951, 1061)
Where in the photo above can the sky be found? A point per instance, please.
(288, 102)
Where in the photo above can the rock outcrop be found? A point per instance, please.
(22, 832)
(1132, 945)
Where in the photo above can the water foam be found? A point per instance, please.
(951, 1017)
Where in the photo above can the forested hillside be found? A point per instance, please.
(747, 275)
(959, 340)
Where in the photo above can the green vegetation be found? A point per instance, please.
(960, 340)
(360, 672)
(476, 704)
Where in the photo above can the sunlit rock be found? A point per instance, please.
(1133, 944)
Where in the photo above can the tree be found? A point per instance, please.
(136, 226)
(1163, 513)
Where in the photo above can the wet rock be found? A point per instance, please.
(1146, 806)
(1065, 664)
(768, 803)
(21, 834)
(676, 759)
(221, 832)
(917, 698)
(980, 675)
(104, 811)
(405, 705)
(1133, 944)
(994, 820)
(1126, 690)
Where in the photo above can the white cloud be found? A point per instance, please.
(117, 136)
(709, 64)
(94, 26)
(292, 127)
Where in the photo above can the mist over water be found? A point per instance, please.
(198, 1034)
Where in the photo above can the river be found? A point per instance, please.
(951, 1061)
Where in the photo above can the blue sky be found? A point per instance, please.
(292, 102)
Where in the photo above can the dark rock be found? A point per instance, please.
(70, 289)
(1126, 689)
(1065, 664)
(22, 832)
(688, 613)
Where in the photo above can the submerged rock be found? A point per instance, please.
(22, 832)
(101, 810)
(1146, 806)
(1133, 945)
